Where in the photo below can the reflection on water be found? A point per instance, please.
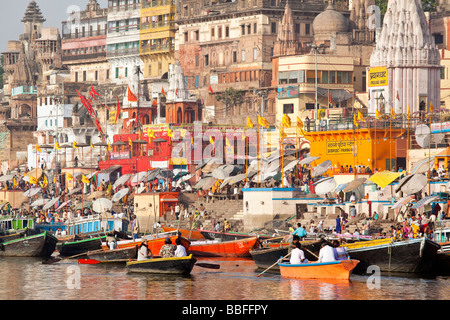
(29, 279)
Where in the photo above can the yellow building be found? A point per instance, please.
(157, 36)
(296, 82)
(361, 147)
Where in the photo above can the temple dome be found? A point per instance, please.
(328, 22)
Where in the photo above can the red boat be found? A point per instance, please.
(188, 234)
(153, 244)
(214, 248)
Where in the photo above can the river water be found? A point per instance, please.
(30, 279)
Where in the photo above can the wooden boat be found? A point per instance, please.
(67, 249)
(214, 248)
(266, 256)
(153, 244)
(409, 256)
(337, 270)
(40, 245)
(188, 234)
(111, 255)
(230, 236)
(181, 266)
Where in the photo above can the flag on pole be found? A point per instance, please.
(69, 177)
(118, 110)
(249, 123)
(227, 142)
(94, 93)
(263, 122)
(211, 140)
(38, 149)
(162, 91)
(176, 92)
(150, 133)
(130, 142)
(210, 89)
(84, 179)
(169, 133)
(131, 95)
(57, 147)
(355, 121)
(360, 116)
(33, 180)
(398, 97)
(431, 106)
(392, 112)
(286, 121)
(377, 114)
(109, 147)
(92, 146)
(409, 112)
(74, 145)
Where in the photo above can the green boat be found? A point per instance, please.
(80, 247)
(39, 245)
(180, 266)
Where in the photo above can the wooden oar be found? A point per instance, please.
(208, 265)
(259, 275)
(93, 261)
(71, 257)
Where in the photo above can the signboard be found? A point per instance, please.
(214, 79)
(119, 155)
(378, 77)
(288, 92)
(340, 147)
(440, 127)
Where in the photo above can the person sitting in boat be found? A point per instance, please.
(168, 249)
(340, 252)
(300, 231)
(144, 252)
(326, 253)
(180, 251)
(111, 242)
(297, 255)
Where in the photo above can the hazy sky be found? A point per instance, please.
(54, 11)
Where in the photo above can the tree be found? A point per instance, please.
(427, 5)
(230, 97)
(2, 71)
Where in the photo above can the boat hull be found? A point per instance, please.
(40, 245)
(337, 270)
(229, 236)
(113, 255)
(153, 244)
(267, 256)
(179, 266)
(236, 248)
(68, 249)
(409, 256)
(188, 234)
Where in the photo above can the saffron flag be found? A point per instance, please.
(92, 146)
(360, 116)
(282, 133)
(210, 89)
(169, 133)
(355, 121)
(263, 122)
(286, 121)
(150, 133)
(377, 114)
(130, 142)
(227, 142)
(118, 109)
(211, 140)
(131, 96)
(57, 147)
(249, 123)
(398, 97)
(431, 107)
(75, 145)
(409, 111)
(162, 91)
(392, 112)
(109, 147)
(84, 179)
(38, 149)
(69, 177)
(176, 92)
(33, 180)
(86, 104)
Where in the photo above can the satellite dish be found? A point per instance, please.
(422, 134)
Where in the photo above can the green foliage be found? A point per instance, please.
(230, 97)
(427, 5)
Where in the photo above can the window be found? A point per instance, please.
(126, 72)
(297, 28)
(288, 108)
(96, 75)
(76, 76)
(255, 54)
(310, 106)
(213, 31)
(107, 74)
(307, 28)
(443, 73)
(293, 77)
(234, 56)
(242, 30)
(282, 77)
(196, 35)
(273, 27)
(117, 73)
(243, 55)
(219, 32)
(227, 32)
(255, 28)
(197, 60)
(206, 59)
(186, 37)
(197, 81)
(84, 76)
(438, 38)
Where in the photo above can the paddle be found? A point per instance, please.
(71, 257)
(259, 275)
(208, 265)
(93, 261)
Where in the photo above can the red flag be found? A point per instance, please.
(131, 96)
(93, 91)
(176, 92)
(118, 109)
(398, 97)
(155, 103)
(162, 91)
(210, 89)
(86, 104)
(329, 98)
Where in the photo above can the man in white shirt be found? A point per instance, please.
(297, 254)
(326, 254)
(180, 251)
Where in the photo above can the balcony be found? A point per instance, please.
(83, 35)
(126, 7)
(158, 24)
(23, 90)
(159, 48)
(81, 57)
(122, 52)
(157, 3)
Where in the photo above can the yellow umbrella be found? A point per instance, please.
(384, 178)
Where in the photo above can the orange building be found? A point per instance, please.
(368, 147)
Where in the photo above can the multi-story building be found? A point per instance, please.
(230, 44)
(157, 36)
(84, 44)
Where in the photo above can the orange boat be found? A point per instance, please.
(188, 234)
(339, 270)
(153, 244)
(214, 248)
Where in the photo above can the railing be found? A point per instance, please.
(86, 34)
(157, 48)
(23, 90)
(158, 3)
(126, 28)
(77, 57)
(159, 24)
(122, 52)
(125, 7)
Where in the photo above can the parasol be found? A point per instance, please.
(325, 186)
(402, 182)
(121, 181)
(74, 191)
(308, 160)
(8, 177)
(39, 202)
(120, 194)
(63, 205)
(384, 178)
(423, 165)
(352, 185)
(415, 184)
(321, 168)
(423, 202)
(402, 202)
(96, 195)
(209, 182)
(220, 173)
(102, 205)
(50, 204)
(31, 192)
(290, 165)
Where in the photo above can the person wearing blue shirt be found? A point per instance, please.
(300, 231)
